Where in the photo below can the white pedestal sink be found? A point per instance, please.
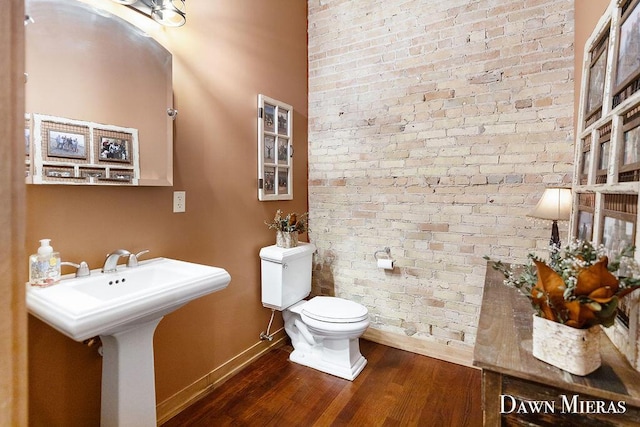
(124, 308)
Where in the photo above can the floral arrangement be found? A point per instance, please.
(290, 223)
(578, 287)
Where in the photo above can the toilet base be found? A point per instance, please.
(313, 360)
(332, 348)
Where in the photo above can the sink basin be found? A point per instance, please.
(105, 303)
(124, 308)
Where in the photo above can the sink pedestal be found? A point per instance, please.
(123, 308)
(128, 377)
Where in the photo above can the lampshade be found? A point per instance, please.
(555, 204)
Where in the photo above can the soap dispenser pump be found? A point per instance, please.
(44, 267)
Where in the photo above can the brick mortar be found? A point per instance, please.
(433, 128)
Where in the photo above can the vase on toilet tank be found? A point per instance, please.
(324, 331)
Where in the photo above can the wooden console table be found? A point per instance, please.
(518, 389)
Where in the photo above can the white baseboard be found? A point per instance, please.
(214, 379)
(457, 355)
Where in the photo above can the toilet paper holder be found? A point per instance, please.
(386, 262)
(386, 250)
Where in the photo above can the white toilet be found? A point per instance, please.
(324, 331)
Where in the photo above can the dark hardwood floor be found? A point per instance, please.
(396, 388)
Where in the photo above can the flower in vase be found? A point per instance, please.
(290, 223)
(578, 286)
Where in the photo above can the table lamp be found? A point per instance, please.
(555, 204)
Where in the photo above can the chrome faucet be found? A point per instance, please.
(111, 262)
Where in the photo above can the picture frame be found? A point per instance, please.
(275, 149)
(269, 186)
(619, 218)
(585, 216)
(114, 146)
(27, 142)
(604, 153)
(596, 79)
(283, 151)
(269, 149)
(631, 146)
(59, 173)
(92, 173)
(283, 182)
(27, 136)
(269, 117)
(585, 160)
(67, 140)
(627, 71)
(629, 159)
(28, 147)
(283, 121)
(69, 145)
(114, 150)
(617, 234)
(70, 151)
(121, 175)
(584, 228)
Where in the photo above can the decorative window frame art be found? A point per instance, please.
(607, 157)
(275, 149)
(68, 151)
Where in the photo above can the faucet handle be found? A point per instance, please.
(133, 258)
(82, 269)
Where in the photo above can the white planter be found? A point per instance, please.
(285, 239)
(576, 351)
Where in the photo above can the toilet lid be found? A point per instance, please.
(335, 310)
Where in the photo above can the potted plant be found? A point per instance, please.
(288, 227)
(573, 295)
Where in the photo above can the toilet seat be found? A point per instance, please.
(334, 310)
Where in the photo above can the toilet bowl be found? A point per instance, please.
(325, 333)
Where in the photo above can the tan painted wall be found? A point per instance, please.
(227, 53)
(13, 318)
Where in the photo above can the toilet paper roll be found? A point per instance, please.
(385, 263)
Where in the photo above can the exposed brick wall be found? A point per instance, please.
(434, 126)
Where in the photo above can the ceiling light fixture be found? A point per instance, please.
(170, 13)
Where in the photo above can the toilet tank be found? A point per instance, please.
(286, 274)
